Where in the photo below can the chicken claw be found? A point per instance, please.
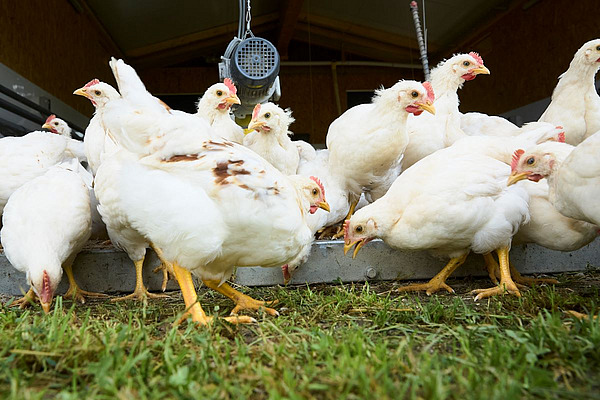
(579, 315)
(165, 271)
(242, 301)
(502, 288)
(207, 321)
(140, 292)
(26, 300)
(523, 280)
(165, 266)
(430, 287)
(75, 292)
(506, 283)
(194, 309)
(438, 282)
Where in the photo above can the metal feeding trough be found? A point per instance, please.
(105, 269)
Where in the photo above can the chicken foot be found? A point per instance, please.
(579, 315)
(165, 266)
(438, 282)
(140, 292)
(242, 301)
(340, 232)
(506, 282)
(521, 281)
(75, 292)
(329, 232)
(26, 300)
(193, 307)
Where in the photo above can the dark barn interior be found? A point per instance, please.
(331, 51)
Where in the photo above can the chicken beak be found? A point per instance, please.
(233, 100)
(516, 177)
(254, 125)
(324, 206)
(481, 70)
(81, 92)
(47, 126)
(348, 246)
(45, 307)
(427, 106)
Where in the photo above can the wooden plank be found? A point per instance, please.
(290, 11)
(106, 39)
(366, 33)
(187, 46)
(355, 45)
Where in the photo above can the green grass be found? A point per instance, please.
(331, 341)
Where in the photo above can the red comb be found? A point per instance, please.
(430, 94)
(477, 57)
(314, 178)
(92, 82)
(561, 137)
(346, 228)
(515, 159)
(50, 118)
(256, 111)
(229, 83)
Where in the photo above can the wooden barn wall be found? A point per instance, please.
(308, 91)
(49, 43)
(526, 51)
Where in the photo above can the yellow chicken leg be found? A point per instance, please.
(506, 282)
(242, 301)
(184, 278)
(523, 280)
(165, 266)
(26, 300)
(340, 232)
(492, 267)
(438, 282)
(140, 292)
(74, 292)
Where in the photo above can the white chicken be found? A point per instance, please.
(337, 196)
(575, 103)
(95, 141)
(476, 124)
(449, 203)
(430, 132)
(27, 157)
(57, 125)
(214, 107)
(175, 200)
(270, 137)
(112, 109)
(367, 141)
(546, 227)
(45, 224)
(574, 184)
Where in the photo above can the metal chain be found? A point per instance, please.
(248, 19)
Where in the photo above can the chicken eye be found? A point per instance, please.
(530, 161)
(315, 192)
(598, 48)
(97, 92)
(56, 123)
(267, 115)
(414, 94)
(466, 63)
(359, 229)
(219, 93)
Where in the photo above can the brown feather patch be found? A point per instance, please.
(184, 157)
